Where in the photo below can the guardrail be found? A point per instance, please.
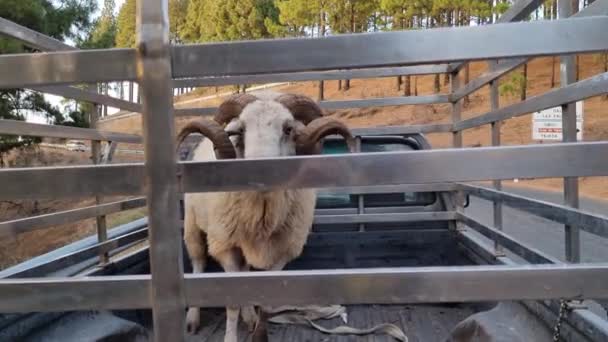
(155, 63)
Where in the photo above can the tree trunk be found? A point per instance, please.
(339, 84)
(399, 81)
(321, 88)
(415, 85)
(524, 83)
(406, 86)
(446, 79)
(121, 90)
(346, 85)
(436, 84)
(578, 67)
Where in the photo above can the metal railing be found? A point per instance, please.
(158, 67)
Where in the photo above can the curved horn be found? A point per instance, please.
(308, 140)
(214, 132)
(302, 108)
(232, 107)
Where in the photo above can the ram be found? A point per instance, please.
(260, 229)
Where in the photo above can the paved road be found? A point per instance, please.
(540, 233)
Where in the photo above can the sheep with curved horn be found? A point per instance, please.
(260, 229)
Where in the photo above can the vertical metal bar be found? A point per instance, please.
(571, 198)
(457, 139)
(100, 221)
(130, 91)
(360, 200)
(156, 88)
(497, 205)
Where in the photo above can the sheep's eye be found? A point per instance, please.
(287, 130)
(236, 132)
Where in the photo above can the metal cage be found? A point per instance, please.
(158, 67)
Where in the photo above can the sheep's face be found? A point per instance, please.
(265, 128)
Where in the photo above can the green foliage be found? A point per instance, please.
(60, 19)
(221, 20)
(125, 25)
(103, 33)
(177, 18)
(513, 85)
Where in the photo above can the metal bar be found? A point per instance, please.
(312, 76)
(516, 12)
(68, 260)
(32, 38)
(567, 68)
(78, 94)
(596, 85)
(15, 127)
(386, 101)
(598, 8)
(495, 133)
(402, 130)
(341, 104)
(100, 220)
(592, 223)
(386, 168)
(458, 197)
(391, 48)
(529, 254)
(489, 76)
(386, 189)
(15, 227)
(384, 218)
(385, 286)
(360, 198)
(47, 68)
(166, 264)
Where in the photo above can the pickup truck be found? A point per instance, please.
(346, 234)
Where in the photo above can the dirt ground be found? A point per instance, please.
(515, 131)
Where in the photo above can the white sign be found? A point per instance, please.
(547, 124)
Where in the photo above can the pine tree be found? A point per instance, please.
(125, 25)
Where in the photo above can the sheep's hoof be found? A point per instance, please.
(250, 317)
(193, 320)
(260, 333)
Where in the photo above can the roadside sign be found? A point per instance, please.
(547, 124)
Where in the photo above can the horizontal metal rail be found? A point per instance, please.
(84, 95)
(592, 223)
(15, 127)
(15, 227)
(385, 218)
(312, 76)
(382, 286)
(357, 169)
(45, 43)
(69, 67)
(593, 86)
(391, 48)
(295, 55)
(597, 8)
(527, 253)
(70, 259)
(402, 130)
(388, 189)
(32, 38)
(517, 11)
(342, 104)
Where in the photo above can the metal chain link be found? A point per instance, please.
(563, 307)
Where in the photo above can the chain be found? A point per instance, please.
(563, 307)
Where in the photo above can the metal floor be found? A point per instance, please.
(421, 323)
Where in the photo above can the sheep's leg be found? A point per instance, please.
(195, 241)
(260, 333)
(231, 261)
(250, 317)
